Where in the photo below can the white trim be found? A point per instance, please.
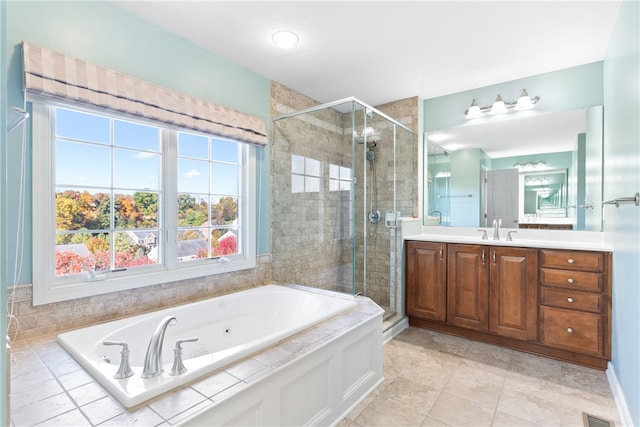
(618, 397)
(46, 289)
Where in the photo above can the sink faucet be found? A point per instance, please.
(153, 358)
(497, 223)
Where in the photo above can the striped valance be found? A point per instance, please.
(55, 74)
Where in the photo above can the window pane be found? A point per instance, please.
(135, 169)
(136, 209)
(297, 183)
(82, 209)
(334, 185)
(190, 145)
(224, 151)
(82, 126)
(192, 245)
(297, 164)
(312, 167)
(133, 248)
(224, 179)
(345, 173)
(193, 176)
(192, 210)
(224, 242)
(224, 210)
(311, 184)
(134, 135)
(334, 171)
(82, 164)
(83, 251)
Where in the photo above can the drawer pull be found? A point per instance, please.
(570, 261)
(570, 299)
(570, 280)
(570, 330)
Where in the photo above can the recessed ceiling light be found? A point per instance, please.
(285, 39)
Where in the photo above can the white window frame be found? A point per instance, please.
(47, 288)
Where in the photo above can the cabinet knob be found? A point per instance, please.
(570, 299)
(570, 280)
(570, 261)
(570, 330)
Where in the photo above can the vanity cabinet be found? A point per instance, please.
(575, 301)
(426, 280)
(493, 289)
(551, 302)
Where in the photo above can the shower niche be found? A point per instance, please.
(334, 199)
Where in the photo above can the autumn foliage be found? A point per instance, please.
(85, 222)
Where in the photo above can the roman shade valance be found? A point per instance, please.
(54, 74)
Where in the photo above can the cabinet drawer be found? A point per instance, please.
(575, 300)
(572, 260)
(572, 330)
(571, 279)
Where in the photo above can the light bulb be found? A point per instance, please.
(524, 101)
(285, 39)
(498, 106)
(474, 111)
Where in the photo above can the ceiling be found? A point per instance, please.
(383, 51)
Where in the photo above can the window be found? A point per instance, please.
(120, 203)
(305, 174)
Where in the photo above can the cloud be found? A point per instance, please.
(144, 155)
(192, 173)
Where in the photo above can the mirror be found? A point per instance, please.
(534, 171)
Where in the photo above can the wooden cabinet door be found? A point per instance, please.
(513, 292)
(426, 280)
(467, 292)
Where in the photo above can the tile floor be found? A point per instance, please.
(433, 379)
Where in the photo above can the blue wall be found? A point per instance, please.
(3, 191)
(563, 90)
(104, 34)
(622, 179)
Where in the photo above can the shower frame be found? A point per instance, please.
(361, 116)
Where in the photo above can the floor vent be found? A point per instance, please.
(591, 421)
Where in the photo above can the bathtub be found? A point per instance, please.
(228, 328)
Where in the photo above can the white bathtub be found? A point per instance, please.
(228, 328)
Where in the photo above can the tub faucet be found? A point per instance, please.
(153, 358)
(497, 223)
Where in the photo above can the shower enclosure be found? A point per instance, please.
(334, 206)
(437, 188)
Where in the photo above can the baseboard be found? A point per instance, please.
(394, 330)
(618, 396)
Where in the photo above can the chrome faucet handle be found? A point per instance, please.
(484, 234)
(124, 370)
(509, 236)
(178, 367)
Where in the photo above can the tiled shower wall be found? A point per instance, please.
(309, 229)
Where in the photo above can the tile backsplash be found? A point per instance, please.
(31, 322)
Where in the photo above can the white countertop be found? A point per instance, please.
(528, 238)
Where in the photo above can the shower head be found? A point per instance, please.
(371, 135)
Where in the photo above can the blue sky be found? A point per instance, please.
(83, 157)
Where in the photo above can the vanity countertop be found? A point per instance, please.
(548, 239)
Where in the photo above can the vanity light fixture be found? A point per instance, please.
(500, 106)
(285, 39)
(530, 165)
